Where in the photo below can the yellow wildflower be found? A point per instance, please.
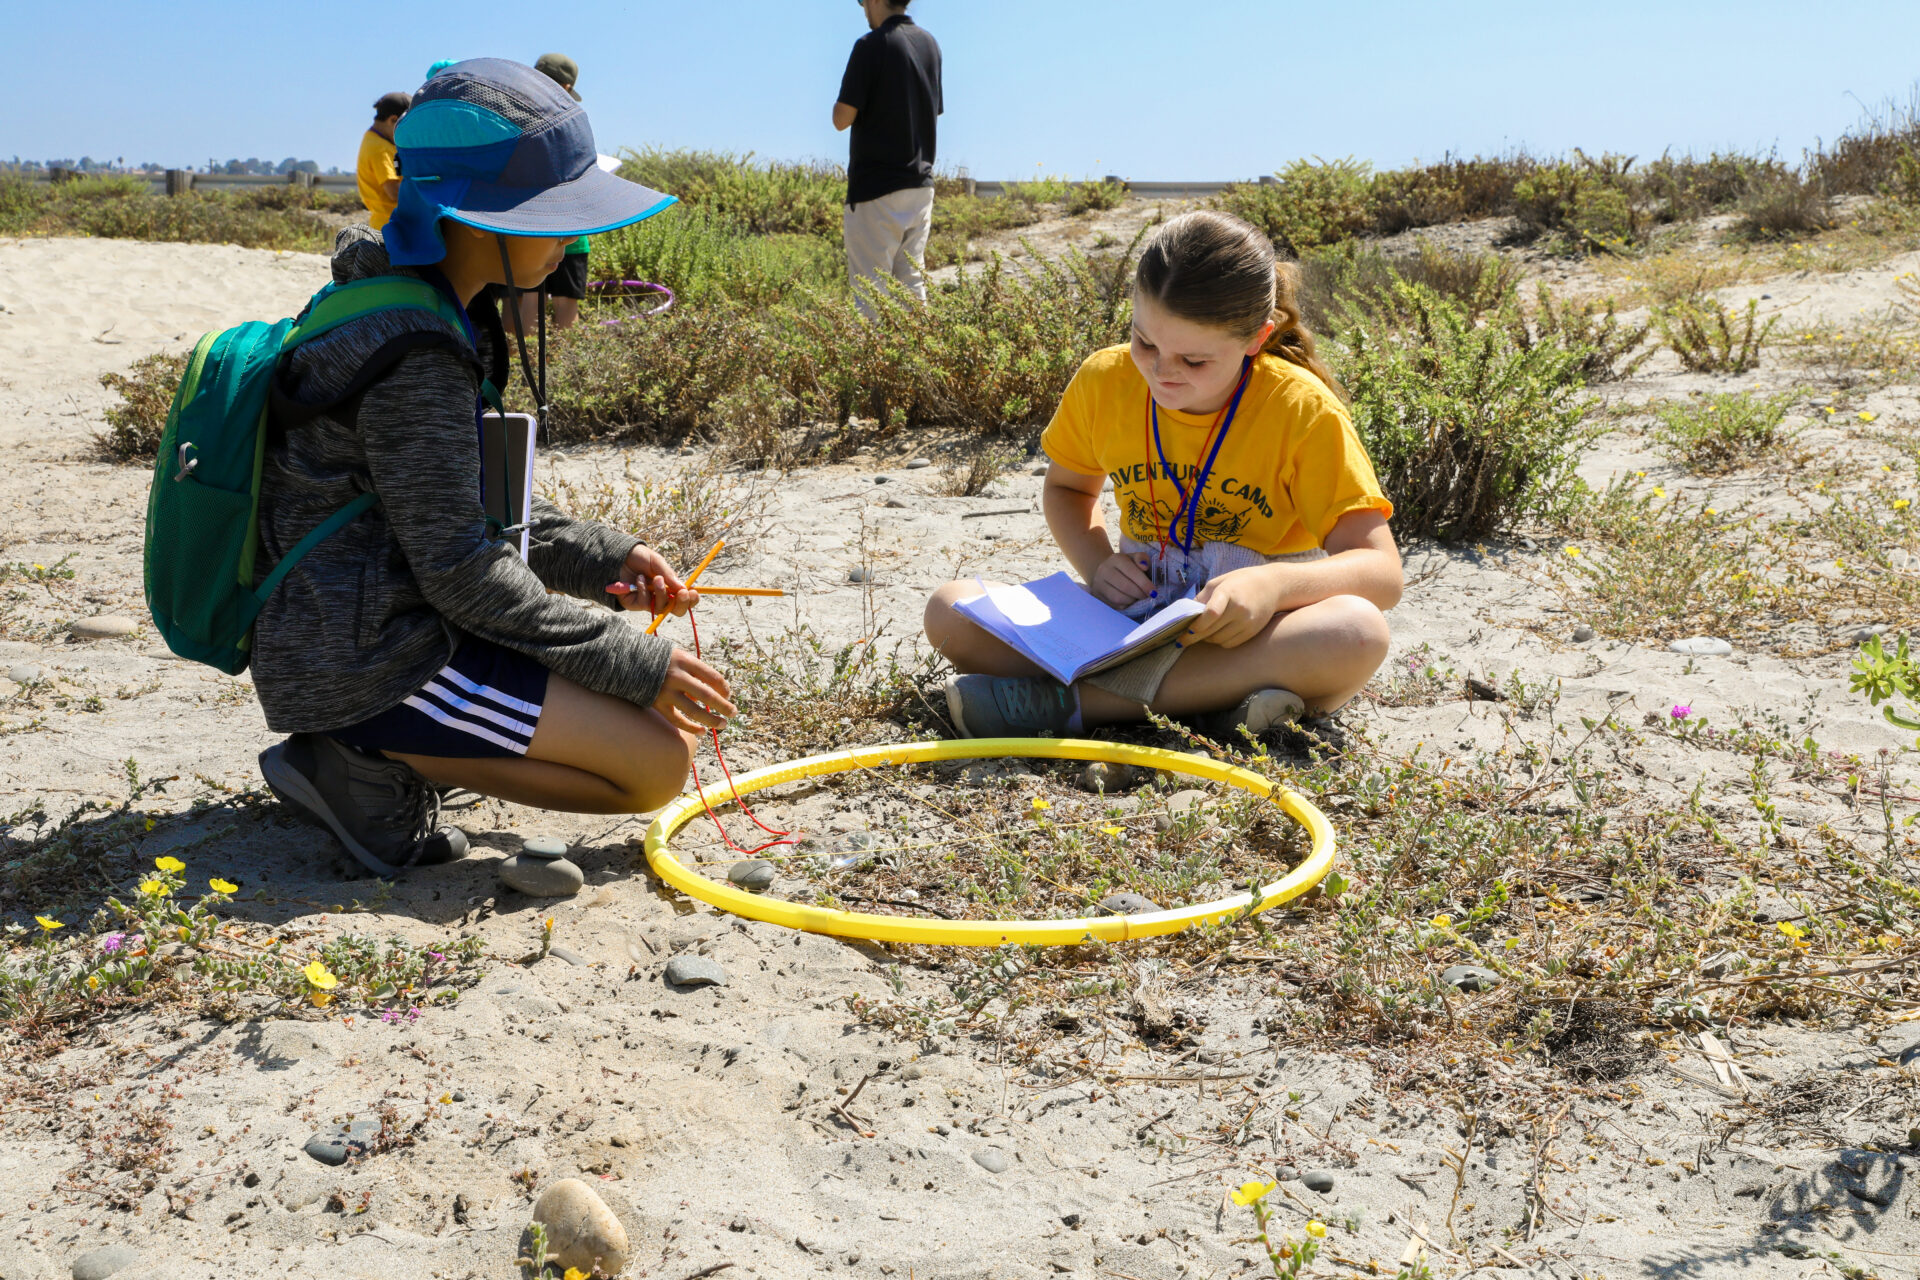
(320, 976)
(152, 887)
(93, 982)
(223, 886)
(575, 1273)
(1712, 512)
(1640, 475)
(1901, 504)
(1111, 830)
(1831, 409)
(49, 924)
(1866, 416)
(1574, 552)
(1443, 922)
(1039, 804)
(1252, 1192)
(170, 864)
(1792, 930)
(446, 1099)
(1658, 492)
(1317, 1229)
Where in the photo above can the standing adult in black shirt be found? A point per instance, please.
(890, 97)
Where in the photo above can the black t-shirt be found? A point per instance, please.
(893, 81)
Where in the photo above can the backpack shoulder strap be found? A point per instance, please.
(340, 304)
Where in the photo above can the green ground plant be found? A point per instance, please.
(1711, 338)
(146, 394)
(1469, 430)
(1315, 202)
(767, 198)
(1710, 434)
(125, 208)
(679, 511)
(1582, 205)
(1883, 676)
(708, 259)
(1614, 349)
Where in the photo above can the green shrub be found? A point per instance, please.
(1584, 204)
(1095, 197)
(654, 378)
(126, 208)
(1686, 187)
(1347, 283)
(959, 219)
(1720, 432)
(1868, 159)
(1470, 431)
(146, 393)
(21, 203)
(1708, 338)
(1453, 190)
(705, 257)
(1316, 202)
(766, 198)
(1613, 349)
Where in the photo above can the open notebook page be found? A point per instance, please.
(1067, 631)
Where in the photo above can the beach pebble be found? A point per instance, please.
(1582, 633)
(106, 627)
(881, 479)
(1178, 805)
(912, 1071)
(1127, 904)
(107, 1260)
(543, 847)
(753, 873)
(1702, 646)
(694, 971)
(860, 575)
(895, 503)
(542, 877)
(354, 1138)
(581, 1231)
(992, 1159)
(571, 957)
(1102, 778)
(1863, 634)
(1317, 1180)
(1469, 977)
(917, 463)
(23, 673)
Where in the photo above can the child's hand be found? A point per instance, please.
(1239, 605)
(694, 697)
(1122, 579)
(648, 582)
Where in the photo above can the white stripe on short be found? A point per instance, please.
(470, 727)
(518, 728)
(510, 703)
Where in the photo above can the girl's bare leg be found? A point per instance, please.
(591, 753)
(1324, 652)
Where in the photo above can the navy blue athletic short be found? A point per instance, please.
(483, 705)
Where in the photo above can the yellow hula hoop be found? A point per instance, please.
(990, 933)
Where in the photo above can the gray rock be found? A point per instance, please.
(992, 1159)
(1582, 633)
(571, 957)
(881, 479)
(543, 847)
(1317, 1180)
(106, 627)
(24, 673)
(694, 971)
(1470, 977)
(1863, 634)
(753, 873)
(581, 1231)
(336, 1145)
(1702, 646)
(861, 574)
(107, 1260)
(1103, 778)
(917, 463)
(1040, 469)
(540, 877)
(1179, 805)
(1126, 904)
(895, 503)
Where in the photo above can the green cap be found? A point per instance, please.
(561, 69)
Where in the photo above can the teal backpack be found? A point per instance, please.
(203, 511)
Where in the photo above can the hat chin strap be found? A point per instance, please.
(538, 386)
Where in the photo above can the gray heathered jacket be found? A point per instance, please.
(374, 611)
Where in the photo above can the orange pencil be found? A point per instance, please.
(741, 591)
(700, 569)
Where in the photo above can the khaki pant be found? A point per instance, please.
(888, 237)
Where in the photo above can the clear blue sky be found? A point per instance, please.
(1197, 89)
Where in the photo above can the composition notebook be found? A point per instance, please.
(506, 471)
(1069, 632)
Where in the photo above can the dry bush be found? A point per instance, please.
(986, 465)
(656, 378)
(680, 512)
(146, 394)
(764, 198)
(1785, 206)
(1454, 190)
(1871, 157)
(1346, 283)
(1614, 350)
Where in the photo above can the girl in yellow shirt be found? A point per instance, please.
(1239, 479)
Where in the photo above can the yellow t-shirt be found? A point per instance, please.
(1290, 467)
(378, 163)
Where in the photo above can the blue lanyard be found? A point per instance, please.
(1190, 501)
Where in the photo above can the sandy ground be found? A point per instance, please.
(699, 1115)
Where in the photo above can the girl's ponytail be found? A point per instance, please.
(1213, 269)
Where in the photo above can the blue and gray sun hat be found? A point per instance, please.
(502, 147)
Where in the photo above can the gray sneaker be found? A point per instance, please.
(386, 814)
(1011, 706)
(1257, 713)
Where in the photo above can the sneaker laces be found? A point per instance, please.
(415, 815)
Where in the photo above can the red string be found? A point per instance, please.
(718, 755)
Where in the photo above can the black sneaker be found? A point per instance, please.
(386, 814)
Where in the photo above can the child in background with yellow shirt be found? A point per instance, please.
(1240, 481)
(377, 170)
